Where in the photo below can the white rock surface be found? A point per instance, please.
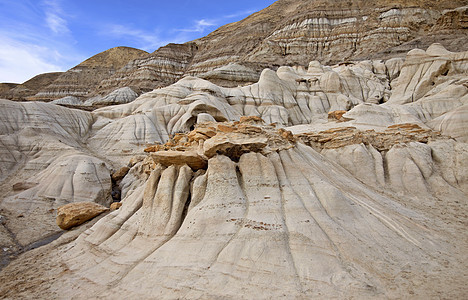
(119, 96)
(69, 100)
(348, 222)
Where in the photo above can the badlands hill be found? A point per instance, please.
(286, 33)
(345, 181)
(308, 180)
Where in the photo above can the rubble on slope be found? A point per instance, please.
(380, 140)
(231, 139)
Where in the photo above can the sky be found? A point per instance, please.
(39, 36)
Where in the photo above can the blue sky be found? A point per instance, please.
(38, 36)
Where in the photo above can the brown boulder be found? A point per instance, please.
(234, 145)
(251, 120)
(336, 115)
(120, 173)
(75, 214)
(172, 157)
(115, 206)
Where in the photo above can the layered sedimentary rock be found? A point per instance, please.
(335, 181)
(119, 96)
(286, 33)
(161, 68)
(24, 91)
(292, 33)
(83, 78)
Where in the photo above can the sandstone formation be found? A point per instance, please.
(74, 214)
(83, 78)
(21, 92)
(292, 33)
(340, 181)
(161, 68)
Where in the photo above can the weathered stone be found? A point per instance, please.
(171, 157)
(225, 128)
(251, 120)
(75, 214)
(21, 186)
(336, 115)
(115, 205)
(120, 173)
(233, 145)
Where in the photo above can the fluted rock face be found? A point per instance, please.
(82, 79)
(44, 164)
(286, 216)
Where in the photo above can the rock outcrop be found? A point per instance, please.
(161, 68)
(22, 92)
(292, 33)
(75, 214)
(82, 79)
(321, 182)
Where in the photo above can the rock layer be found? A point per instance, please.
(285, 33)
(81, 80)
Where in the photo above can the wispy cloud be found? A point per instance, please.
(30, 45)
(243, 13)
(200, 26)
(145, 39)
(55, 17)
(203, 25)
(20, 61)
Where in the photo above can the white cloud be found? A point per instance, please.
(38, 41)
(21, 61)
(239, 14)
(56, 23)
(200, 26)
(55, 17)
(142, 39)
(146, 40)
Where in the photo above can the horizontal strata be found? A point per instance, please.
(286, 33)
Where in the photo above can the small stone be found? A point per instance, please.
(115, 206)
(120, 174)
(336, 115)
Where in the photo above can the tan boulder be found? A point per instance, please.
(201, 133)
(234, 145)
(120, 173)
(115, 206)
(251, 120)
(171, 157)
(75, 214)
(336, 115)
(226, 128)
